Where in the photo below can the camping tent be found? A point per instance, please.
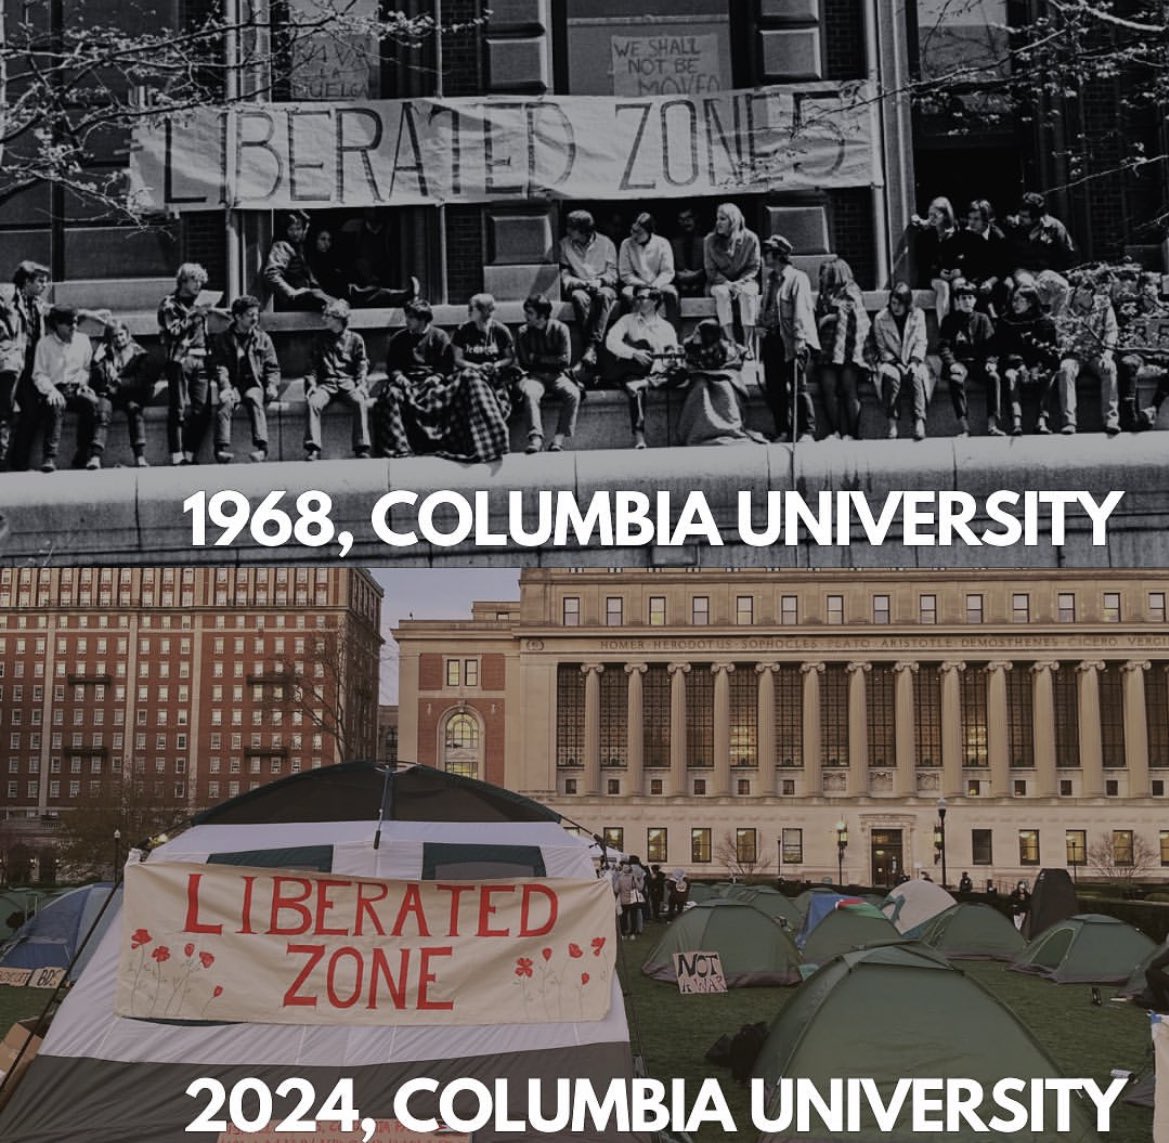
(901, 1011)
(52, 937)
(125, 1078)
(817, 907)
(1053, 899)
(1137, 985)
(754, 949)
(774, 904)
(914, 902)
(1086, 949)
(970, 931)
(848, 927)
(804, 901)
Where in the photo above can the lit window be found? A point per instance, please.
(1122, 847)
(656, 844)
(1028, 847)
(880, 609)
(793, 846)
(700, 846)
(836, 610)
(614, 837)
(700, 610)
(453, 669)
(745, 846)
(471, 672)
(657, 611)
(570, 614)
(1076, 841)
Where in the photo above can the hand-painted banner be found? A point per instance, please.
(418, 151)
(217, 942)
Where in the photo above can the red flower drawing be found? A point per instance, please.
(546, 954)
(584, 978)
(161, 953)
(139, 938)
(206, 959)
(218, 991)
(523, 966)
(575, 951)
(598, 943)
(189, 949)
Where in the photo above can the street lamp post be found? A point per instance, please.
(117, 855)
(942, 837)
(841, 846)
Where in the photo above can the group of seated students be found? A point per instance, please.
(1011, 316)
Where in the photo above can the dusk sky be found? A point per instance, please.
(427, 593)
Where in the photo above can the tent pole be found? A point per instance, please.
(383, 809)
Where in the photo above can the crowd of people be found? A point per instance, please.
(643, 895)
(1014, 315)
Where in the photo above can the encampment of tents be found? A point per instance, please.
(804, 901)
(912, 903)
(754, 949)
(52, 937)
(772, 903)
(107, 1077)
(895, 1012)
(971, 931)
(1086, 949)
(1053, 899)
(848, 927)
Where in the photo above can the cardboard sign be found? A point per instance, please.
(46, 977)
(18, 977)
(665, 65)
(220, 942)
(699, 972)
(500, 149)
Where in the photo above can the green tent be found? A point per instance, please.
(901, 1011)
(772, 903)
(705, 890)
(849, 927)
(1137, 985)
(804, 901)
(754, 949)
(1085, 949)
(971, 931)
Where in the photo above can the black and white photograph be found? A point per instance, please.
(722, 250)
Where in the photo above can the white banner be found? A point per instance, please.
(220, 942)
(419, 151)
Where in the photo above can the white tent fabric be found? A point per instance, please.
(90, 1052)
(914, 903)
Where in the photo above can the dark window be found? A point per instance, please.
(1019, 716)
(1066, 698)
(614, 716)
(700, 717)
(927, 714)
(613, 786)
(1020, 786)
(880, 705)
(569, 715)
(981, 848)
(1065, 788)
(789, 715)
(655, 786)
(655, 696)
(972, 691)
(1111, 788)
(744, 687)
(1111, 681)
(700, 787)
(834, 716)
(743, 787)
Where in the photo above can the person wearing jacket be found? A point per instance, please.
(789, 339)
(60, 379)
(544, 353)
(966, 347)
(939, 251)
(246, 372)
(647, 259)
(732, 262)
(588, 278)
(899, 343)
(985, 258)
(1088, 335)
(1028, 356)
(22, 324)
(843, 327)
(119, 378)
(338, 371)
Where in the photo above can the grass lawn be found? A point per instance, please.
(19, 1003)
(675, 1031)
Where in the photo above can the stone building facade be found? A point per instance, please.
(742, 720)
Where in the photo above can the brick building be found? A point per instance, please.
(532, 49)
(205, 683)
(735, 720)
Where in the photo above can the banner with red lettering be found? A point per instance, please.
(221, 942)
(426, 151)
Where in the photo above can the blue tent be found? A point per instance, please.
(51, 938)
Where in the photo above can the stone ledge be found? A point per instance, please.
(136, 517)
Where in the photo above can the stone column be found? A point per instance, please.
(858, 728)
(722, 727)
(592, 729)
(998, 738)
(765, 716)
(1043, 728)
(634, 728)
(676, 783)
(951, 728)
(905, 783)
(1091, 749)
(813, 784)
(1136, 729)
